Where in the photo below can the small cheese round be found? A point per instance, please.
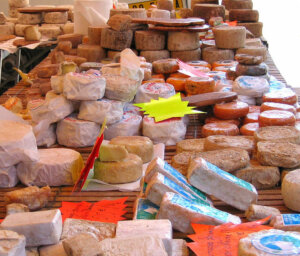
(276, 118)
(177, 82)
(196, 63)
(187, 55)
(30, 18)
(56, 17)
(246, 59)
(290, 190)
(231, 110)
(251, 118)
(251, 70)
(249, 129)
(155, 55)
(285, 96)
(213, 54)
(183, 41)
(198, 85)
(277, 106)
(228, 37)
(219, 129)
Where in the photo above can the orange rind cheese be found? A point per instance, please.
(197, 63)
(249, 129)
(222, 63)
(213, 119)
(177, 82)
(198, 85)
(277, 106)
(154, 80)
(253, 109)
(179, 75)
(251, 118)
(231, 110)
(222, 68)
(220, 128)
(285, 96)
(276, 118)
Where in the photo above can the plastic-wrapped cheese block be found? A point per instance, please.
(56, 167)
(284, 95)
(149, 91)
(258, 212)
(270, 242)
(127, 170)
(160, 228)
(39, 228)
(260, 176)
(219, 129)
(168, 131)
(182, 212)
(232, 190)
(231, 110)
(282, 154)
(8, 177)
(213, 54)
(78, 86)
(73, 132)
(278, 134)
(129, 125)
(12, 243)
(183, 41)
(17, 143)
(228, 37)
(276, 118)
(131, 109)
(29, 18)
(250, 86)
(96, 111)
(52, 109)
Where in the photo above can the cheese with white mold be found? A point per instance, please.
(12, 243)
(226, 187)
(250, 86)
(56, 167)
(39, 228)
(182, 212)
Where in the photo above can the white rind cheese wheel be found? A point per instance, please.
(30, 18)
(8, 177)
(50, 31)
(56, 167)
(17, 143)
(7, 29)
(136, 13)
(250, 86)
(207, 11)
(128, 170)
(129, 125)
(160, 14)
(96, 111)
(93, 53)
(229, 37)
(155, 55)
(183, 41)
(75, 133)
(116, 40)
(213, 54)
(168, 132)
(18, 3)
(56, 17)
(254, 27)
(187, 55)
(290, 190)
(80, 86)
(45, 136)
(150, 40)
(149, 91)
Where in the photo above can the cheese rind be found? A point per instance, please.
(56, 17)
(93, 53)
(116, 40)
(39, 228)
(29, 18)
(11, 243)
(290, 188)
(258, 212)
(183, 41)
(250, 86)
(8, 177)
(228, 37)
(150, 40)
(232, 190)
(278, 134)
(213, 54)
(155, 55)
(109, 152)
(187, 55)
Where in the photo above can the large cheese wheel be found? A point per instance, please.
(198, 85)
(155, 55)
(56, 17)
(249, 129)
(177, 82)
(94, 34)
(254, 51)
(136, 13)
(243, 15)
(250, 86)
(220, 128)
(213, 119)
(285, 95)
(116, 40)
(229, 37)
(276, 118)
(240, 4)
(183, 41)
(213, 54)
(290, 190)
(93, 53)
(277, 106)
(165, 66)
(149, 40)
(30, 18)
(187, 55)
(75, 39)
(254, 27)
(7, 29)
(50, 31)
(231, 110)
(206, 11)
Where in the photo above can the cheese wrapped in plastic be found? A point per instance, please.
(44, 133)
(17, 143)
(129, 108)
(169, 131)
(73, 132)
(56, 167)
(57, 83)
(129, 125)
(96, 111)
(8, 177)
(53, 109)
(250, 86)
(83, 86)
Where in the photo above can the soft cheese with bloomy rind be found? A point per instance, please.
(11, 243)
(39, 228)
(232, 190)
(290, 190)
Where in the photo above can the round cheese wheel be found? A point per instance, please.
(254, 27)
(94, 34)
(198, 85)
(246, 59)
(29, 18)
(187, 55)
(165, 66)
(155, 55)
(148, 40)
(201, 63)
(201, 69)
(250, 86)
(207, 11)
(253, 109)
(213, 54)
(183, 41)
(50, 31)
(213, 119)
(251, 118)
(231, 110)
(240, 4)
(226, 63)
(93, 53)
(253, 51)
(290, 190)
(249, 129)
(116, 40)
(178, 75)
(229, 37)
(220, 128)
(149, 91)
(56, 17)
(276, 118)
(277, 106)
(208, 43)
(251, 70)
(190, 145)
(243, 15)
(177, 82)
(222, 68)
(128, 170)
(285, 96)
(278, 134)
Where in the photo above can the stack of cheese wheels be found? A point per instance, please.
(253, 51)
(14, 5)
(184, 45)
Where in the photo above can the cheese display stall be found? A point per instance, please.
(163, 132)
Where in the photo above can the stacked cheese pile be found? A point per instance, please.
(6, 28)
(14, 5)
